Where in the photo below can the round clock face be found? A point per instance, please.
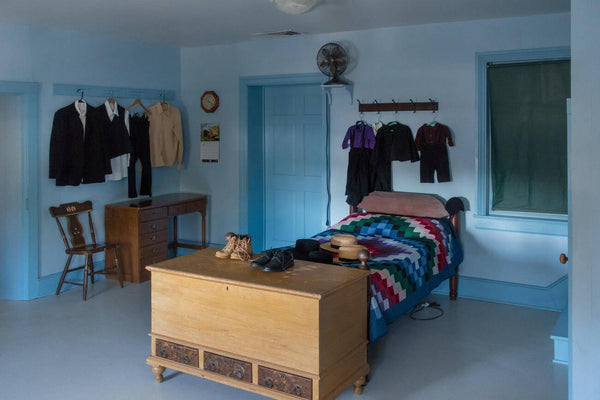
(209, 101)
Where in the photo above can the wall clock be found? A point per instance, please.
(209, 101)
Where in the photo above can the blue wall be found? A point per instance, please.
(420, 62)
(48, 57)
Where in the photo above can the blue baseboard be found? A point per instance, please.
(553, 297)
(560, 336)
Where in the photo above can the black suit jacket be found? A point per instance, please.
(75, 157)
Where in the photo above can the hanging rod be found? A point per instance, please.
(394, 106)
(112, 91)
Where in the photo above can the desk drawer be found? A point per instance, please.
(285, 382)
(196, 206)
(176, 352)
(226, 366)
(177, 209)
(155, 252)
(153, 226)
(153, 213)
(154, 238)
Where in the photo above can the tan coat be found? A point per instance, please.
(166, 137)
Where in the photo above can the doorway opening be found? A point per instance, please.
(284, 159)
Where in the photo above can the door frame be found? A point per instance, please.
(252, 118)
(25, 280)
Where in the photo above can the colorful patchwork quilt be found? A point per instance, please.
(410, 256)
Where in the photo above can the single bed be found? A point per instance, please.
(414, 245)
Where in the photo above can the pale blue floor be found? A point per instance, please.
(60, 347)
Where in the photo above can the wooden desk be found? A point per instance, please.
(297, 334)
(141, 227)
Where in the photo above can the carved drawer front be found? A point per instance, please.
(153, 213)
(176, 352)
(153, 238)
(285, 382)
(226, 366)
(154, 226)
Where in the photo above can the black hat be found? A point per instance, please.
(309, 250)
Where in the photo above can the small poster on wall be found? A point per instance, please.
(210, 136)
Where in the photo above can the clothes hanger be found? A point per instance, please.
(378, 112)
(434, 122)
(395, 114)
(361, 120)
(81, 104)
(138, 102)
(81, 99)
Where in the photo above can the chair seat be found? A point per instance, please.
(90, 248)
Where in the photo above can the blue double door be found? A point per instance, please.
(295, 167)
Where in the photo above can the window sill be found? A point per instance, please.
(525, 225)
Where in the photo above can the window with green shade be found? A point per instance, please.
(522, 165)
(528, 136)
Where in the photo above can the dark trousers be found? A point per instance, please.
(434, 158)
(139, 129)
(358, 180)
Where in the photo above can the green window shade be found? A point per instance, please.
(528, 136)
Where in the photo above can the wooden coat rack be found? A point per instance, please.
(375, 106)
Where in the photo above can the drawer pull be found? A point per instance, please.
(212, 365)
(153, 238)
(155, 250)
(269, 382)
(153, 226)
(238, 372)
(164, 351)
(297, 390)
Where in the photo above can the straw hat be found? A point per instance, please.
(339, 240)
(349, 254)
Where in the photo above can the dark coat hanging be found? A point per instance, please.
(71, 147)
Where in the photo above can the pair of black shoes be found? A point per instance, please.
(274, 260)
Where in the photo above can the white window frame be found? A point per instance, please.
(485, 217)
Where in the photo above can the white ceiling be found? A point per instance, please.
(207, 22)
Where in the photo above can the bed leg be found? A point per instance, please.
(453, 287)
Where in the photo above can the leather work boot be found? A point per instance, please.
(232, 240)
(243, 249)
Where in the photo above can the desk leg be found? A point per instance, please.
(175, 244)
(204, 229)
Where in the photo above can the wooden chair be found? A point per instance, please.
(78, 246)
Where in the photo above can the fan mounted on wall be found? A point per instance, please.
(332, 61)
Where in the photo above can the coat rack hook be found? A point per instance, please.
(432, 105)
(395, 106)
(80, 90)
(378, 107)
(414, 106)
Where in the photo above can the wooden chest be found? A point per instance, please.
(301, 333)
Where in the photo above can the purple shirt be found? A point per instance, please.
(360, 135)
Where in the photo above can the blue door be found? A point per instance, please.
(11, 198)
(295, 164)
